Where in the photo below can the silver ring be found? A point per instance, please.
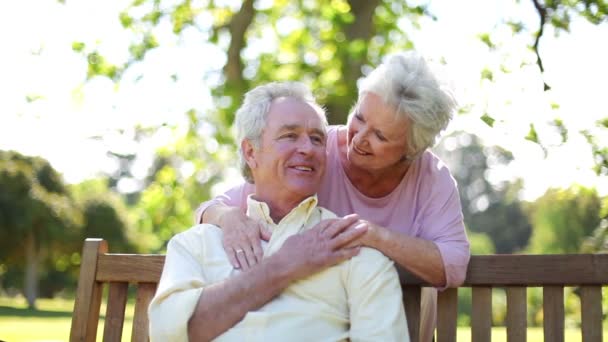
(239, 251)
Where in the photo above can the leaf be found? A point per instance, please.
(125, 20)
(487, 74)
(78, 46)
(488, 120)
(532, 135)
(561, 128)
(485, 38)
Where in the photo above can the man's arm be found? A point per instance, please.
(222, 305)
(375, 299)
(189, 303)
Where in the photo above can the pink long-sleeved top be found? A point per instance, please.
(424, 205)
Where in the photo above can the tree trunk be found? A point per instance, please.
(362, 28)
(31, 270)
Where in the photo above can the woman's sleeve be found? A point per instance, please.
(442, 222)
(235, 197)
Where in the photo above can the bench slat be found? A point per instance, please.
(411, 302)
(88, 294)
(516, 314)
(538, 270)
(447, 312)
(591, 313)
(134, 268)
(553, 313)
(145, 292)
(115, 312)
(481, 315)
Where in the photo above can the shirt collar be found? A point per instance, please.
(300, 214)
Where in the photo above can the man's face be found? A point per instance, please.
(290, 161)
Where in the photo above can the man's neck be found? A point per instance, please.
(278, 208)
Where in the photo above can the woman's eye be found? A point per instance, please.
(359, 117)
(380, 136)
(289, 136)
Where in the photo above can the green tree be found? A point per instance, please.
(326, 44)
(105, 215)
(490, 208)
(563, 218)
(37, 216)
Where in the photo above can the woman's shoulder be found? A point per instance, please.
(434, 170)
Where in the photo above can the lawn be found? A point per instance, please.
(51, 322)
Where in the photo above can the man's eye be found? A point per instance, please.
(359, 117)
(317, 140)
(289, 136)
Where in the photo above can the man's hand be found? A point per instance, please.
(242, 237)
(324, 245)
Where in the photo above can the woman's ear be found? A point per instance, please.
(248, 153)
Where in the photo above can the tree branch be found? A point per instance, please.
(542, 13)
(233, 70)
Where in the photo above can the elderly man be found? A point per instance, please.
(310, 285)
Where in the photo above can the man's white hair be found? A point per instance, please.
(250, 118)
(405, 82)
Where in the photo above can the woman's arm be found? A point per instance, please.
(241, 233)
(419, 256)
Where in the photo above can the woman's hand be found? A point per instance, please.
(325, 245)
(242, 237)
(371, 237)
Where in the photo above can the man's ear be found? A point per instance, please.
(248, 153)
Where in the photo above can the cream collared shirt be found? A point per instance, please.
(359, 299)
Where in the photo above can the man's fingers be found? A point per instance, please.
(340, 224)
(349, 236)
(347, 253)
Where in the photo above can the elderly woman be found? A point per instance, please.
(380, 168)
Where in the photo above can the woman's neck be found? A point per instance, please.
(374, 183)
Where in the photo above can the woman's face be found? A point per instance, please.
(377, 138)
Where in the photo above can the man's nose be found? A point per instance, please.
(305, 145)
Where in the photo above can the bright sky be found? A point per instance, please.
(37, 60)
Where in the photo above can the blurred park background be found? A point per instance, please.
(115, 121)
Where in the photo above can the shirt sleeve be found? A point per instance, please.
(442, 222)
(375, 299)
(179, 289)
(235, 197)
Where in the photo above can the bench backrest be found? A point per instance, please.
(513, 272)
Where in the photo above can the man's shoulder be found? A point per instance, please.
(368, 254)
(325, 214)
(195, 234)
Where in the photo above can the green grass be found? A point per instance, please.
(52, 320)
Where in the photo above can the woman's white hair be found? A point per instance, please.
(250, 118)
(405, 82)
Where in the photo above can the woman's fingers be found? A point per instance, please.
(241, 257)
(336, 226)
(350, 237)
(230, 252)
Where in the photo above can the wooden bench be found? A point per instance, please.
(513, 272)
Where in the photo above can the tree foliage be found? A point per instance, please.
(38, 218)
(563, 219)
(492, 208)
